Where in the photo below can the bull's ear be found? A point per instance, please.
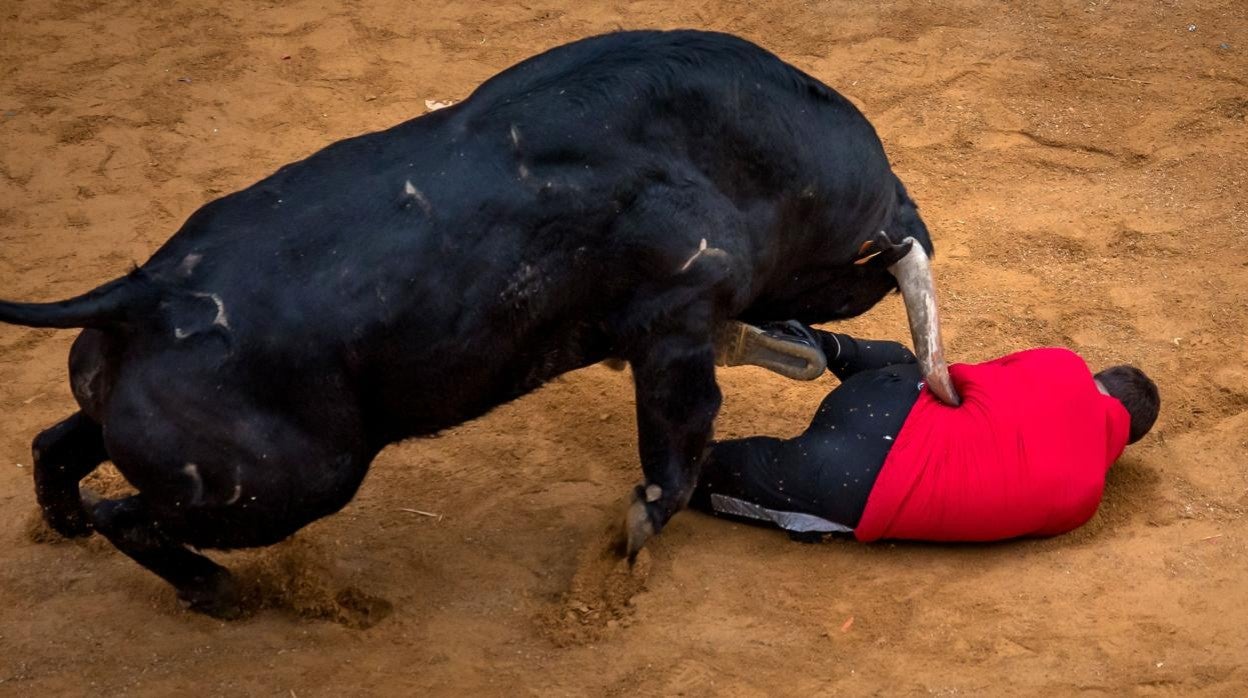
(882, 252)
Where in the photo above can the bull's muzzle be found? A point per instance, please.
(918, 290)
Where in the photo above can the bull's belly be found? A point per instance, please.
(434, 396)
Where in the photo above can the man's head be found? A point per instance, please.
(1136, 392)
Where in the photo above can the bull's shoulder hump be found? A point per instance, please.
(603, 65)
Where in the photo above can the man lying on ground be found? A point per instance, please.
(1024, 455)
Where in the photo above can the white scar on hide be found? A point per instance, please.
(238, 487)
(82, 382)
(410, 190)
(702, 250)
(221, 319)
(515, 145)
(192, 471)
(189, 263)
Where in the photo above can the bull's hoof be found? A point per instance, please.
(638, 528)
(217, 597)
(68, 521)
(68, 515)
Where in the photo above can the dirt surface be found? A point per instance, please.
(1082, 166)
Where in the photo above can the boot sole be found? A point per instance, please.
(739, 344)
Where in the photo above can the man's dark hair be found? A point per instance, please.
(1137, 392)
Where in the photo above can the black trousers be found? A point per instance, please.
(817, 482)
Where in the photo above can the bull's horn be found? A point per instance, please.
(914, 278)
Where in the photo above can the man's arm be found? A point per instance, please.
(848, 355)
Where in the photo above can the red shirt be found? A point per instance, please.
(1024, 455)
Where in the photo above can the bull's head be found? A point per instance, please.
(840, 285)
(823, 290)
(909, 270)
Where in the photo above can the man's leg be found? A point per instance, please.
(796, 351)
(766, 480)
(731, 466)
(737, 475)
(819, 481)
(849, 355)
(788, 348)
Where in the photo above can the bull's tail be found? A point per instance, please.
(109, 305)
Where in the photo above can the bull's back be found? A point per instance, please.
(461, 259)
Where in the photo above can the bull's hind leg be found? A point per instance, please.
(202, 584)
(63, 455)
(216, 473)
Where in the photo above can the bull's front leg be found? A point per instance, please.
(677, 400)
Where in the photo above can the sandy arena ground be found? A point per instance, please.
(1082, 166)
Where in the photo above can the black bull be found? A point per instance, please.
(614, 198)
